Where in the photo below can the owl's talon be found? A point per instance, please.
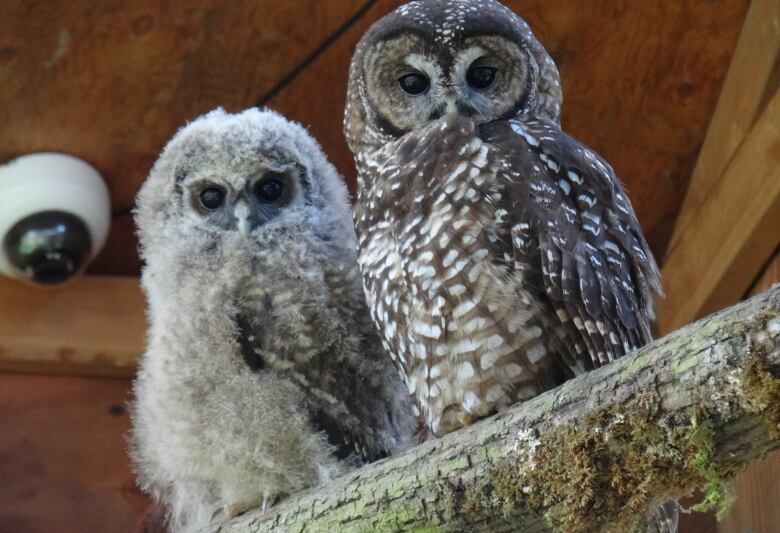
(269, 501)
(232, 510)
(465, 418)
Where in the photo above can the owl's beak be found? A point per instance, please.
(242, 212)
(451, 105)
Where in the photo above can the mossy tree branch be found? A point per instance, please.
(684, 412)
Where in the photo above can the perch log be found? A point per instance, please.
(685, 412)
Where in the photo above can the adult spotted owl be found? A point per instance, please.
(499, 255)
(263, 374)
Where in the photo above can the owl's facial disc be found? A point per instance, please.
(412, 81)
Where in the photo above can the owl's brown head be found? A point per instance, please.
(433, 57)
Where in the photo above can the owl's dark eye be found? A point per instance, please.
(481, 77)
(414, 83)
(269, 189)
(212, 197)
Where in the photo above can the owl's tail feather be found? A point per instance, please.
(663, 518)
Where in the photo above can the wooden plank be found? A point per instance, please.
(769, 276)
(63, 460)
(732, 235)
(757, 491)
(695, 522)
(744, 91)
(92, 326)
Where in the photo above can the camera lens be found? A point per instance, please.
(48, 247)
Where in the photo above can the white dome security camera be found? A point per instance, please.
(55, 213)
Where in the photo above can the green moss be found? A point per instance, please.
(607, 465)
(716, 493)
(610, 464)
(761, 391)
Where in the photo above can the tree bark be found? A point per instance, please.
(684, 412)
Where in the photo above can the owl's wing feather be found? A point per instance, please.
(348, 445)
(248, 341)
(570, 216)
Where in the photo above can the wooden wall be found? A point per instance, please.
(63, 466)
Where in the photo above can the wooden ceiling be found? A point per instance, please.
(111, 81)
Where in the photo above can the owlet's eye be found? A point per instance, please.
(481, 77)
(414, 83)
(212, 197)
(269, 189)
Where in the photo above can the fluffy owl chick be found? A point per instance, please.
(262, 373)
(500, 256)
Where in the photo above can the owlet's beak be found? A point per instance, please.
(451, 105)
(242, 212)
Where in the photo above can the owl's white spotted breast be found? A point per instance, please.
(498, 260)
(462, 328)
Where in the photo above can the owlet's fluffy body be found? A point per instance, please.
(499, 255)
(262, 374)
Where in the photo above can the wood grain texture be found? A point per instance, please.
(744, 92)
(640, 82)
(93, 326)
(757, 491)
(733, 234)
(110, 81)
(693, 522)
(63, 464)
(769, 276)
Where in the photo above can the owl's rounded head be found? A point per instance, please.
(432, 57)
(242, 173)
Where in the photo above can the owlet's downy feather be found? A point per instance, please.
(499, 255)
(263, 374)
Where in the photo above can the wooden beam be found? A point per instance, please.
(769, 276)
(732, 235)
(741, 99)
(93, 326)
(63, 443)
(757, 492)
